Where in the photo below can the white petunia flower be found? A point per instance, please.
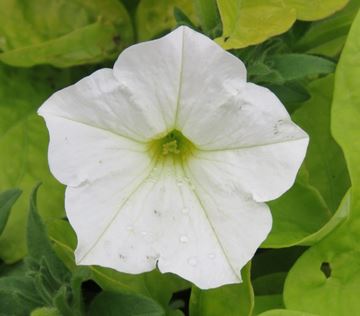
(168, 159)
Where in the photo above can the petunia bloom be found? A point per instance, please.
(168, 159)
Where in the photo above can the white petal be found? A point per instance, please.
(163, 220)
(101, 101)
(264, 172)
(184, 64)
(246, 115)
(207, 69)
(80, 153)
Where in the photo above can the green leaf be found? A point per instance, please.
(45, 311)
(152, 284)
(266, 302)
(109, 304)
(182, 19)
(299, 66)
(269, 271)
(39, 246)
(18, 295)
(327, 37)
(345, 108)
(284, 312)
(249, 22)
(7, 200)
(303, 215)
(208, 15)
(269, 284)
(66, 33)
(23, 146)
(290, 93)
(329, 271)
(297, 214)
(230, 300)
(324, 159)
(155, 17)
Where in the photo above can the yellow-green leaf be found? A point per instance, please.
(249, 22)
(62, 33)
(154, 17)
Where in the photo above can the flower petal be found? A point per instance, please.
(251, 139)
(165, 70)
(265, 172)
(101, 101)
(163, 221)
(80, 153)
(244, 115)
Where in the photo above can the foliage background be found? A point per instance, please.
(307, 52)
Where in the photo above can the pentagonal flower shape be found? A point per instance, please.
(168, 159)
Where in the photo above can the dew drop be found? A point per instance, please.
(192, 261)
(130, 228)
(184, 239)
(185, 210)
(211, 255)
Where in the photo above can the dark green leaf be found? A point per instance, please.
(209, 17)
(111, 304)
(298, 66)
(290, 93)
(7, 199)
(18, 296)
(39, 245)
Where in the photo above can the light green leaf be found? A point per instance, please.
(109, 304)
(324, 159)
(7, 200)
(230, 300)
(249, 22)
(155, 17)
(62, 33)
(45, 311)
(285, 312)
(23, 147)
(327, 37)
(297, 214)
(329, 271)
(303, 215)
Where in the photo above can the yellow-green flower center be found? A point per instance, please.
(174, 143)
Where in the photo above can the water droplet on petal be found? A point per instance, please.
(185, 210)
(192, 261)
(184, 239)
(211, 255)
(130, 228)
